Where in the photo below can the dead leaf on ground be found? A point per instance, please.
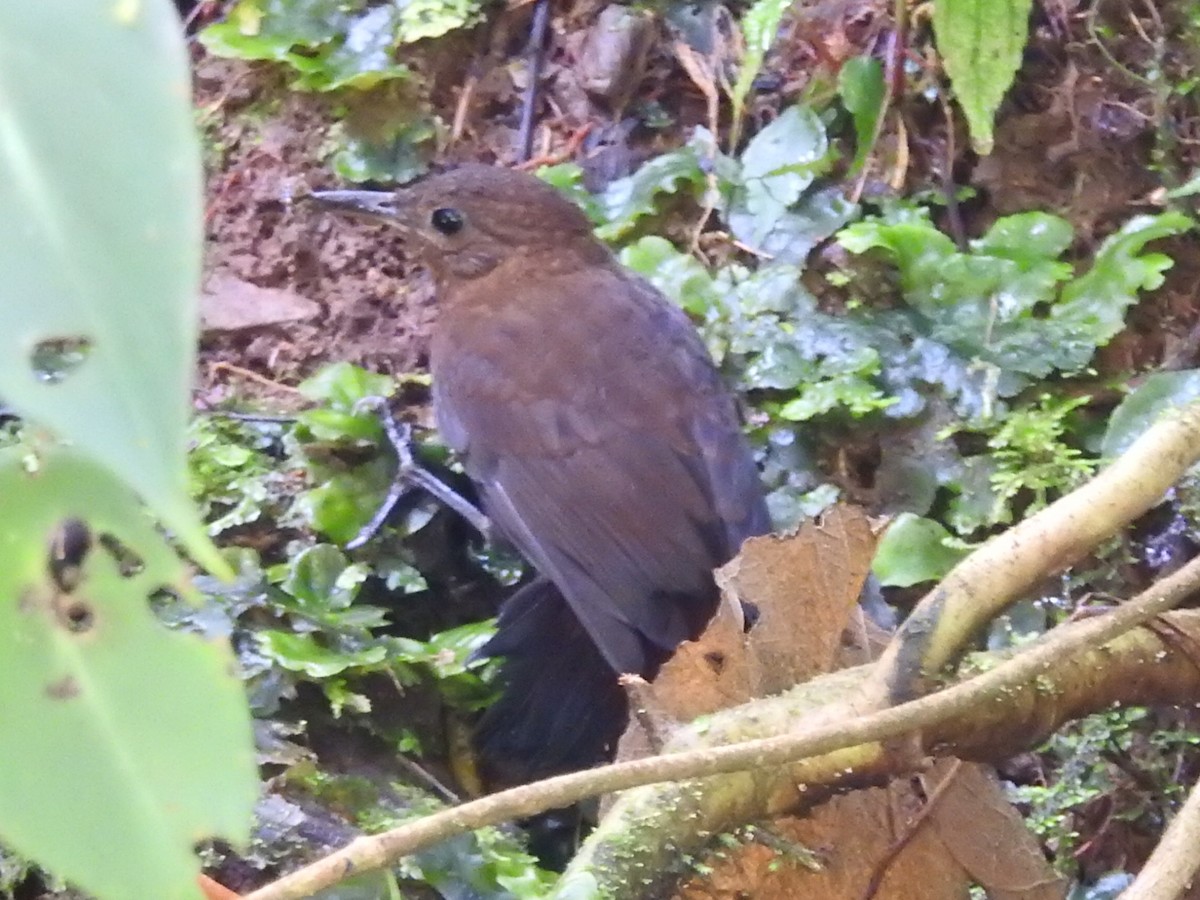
(988, 837)
(229, 303)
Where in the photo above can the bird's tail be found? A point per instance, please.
(562, 707)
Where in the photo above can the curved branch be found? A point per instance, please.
(1172, 867)
(835, 732)
(1006, 567)
(1011, 706)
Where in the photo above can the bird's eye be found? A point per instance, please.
(447, 221)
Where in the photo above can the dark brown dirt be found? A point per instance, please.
(1075, 136)
(370, 307)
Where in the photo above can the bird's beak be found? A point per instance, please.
(378, 206)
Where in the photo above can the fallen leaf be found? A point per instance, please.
(230, 304)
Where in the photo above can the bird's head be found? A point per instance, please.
(467, 221)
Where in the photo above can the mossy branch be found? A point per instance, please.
(830, 733)
(1004, 569)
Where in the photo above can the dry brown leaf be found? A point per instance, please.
(710, 673)
(846, 836)
(988, 837)
(231, 304)
(703, 676)
(806, 588)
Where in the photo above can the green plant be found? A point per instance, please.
(1118, 755)
(1009, 310)
(231, 476)
(981, 44)
(1030, 462)
(327, 45)
(760, 24)
(102, 264)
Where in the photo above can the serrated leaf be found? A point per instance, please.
(981, 42)
(760, 24)
(780, 161)
(344, 386)
(101, 210)
(321, 577)
(303, 653)
(998, 309)
(141, 735)
(329, 44)
(683, 170)
(1092, 309)
(678, 275)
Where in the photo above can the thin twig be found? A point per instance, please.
(537, 52)
(914, 827)
(222, 366)
(574, 142)
(376, 851)
(250, 418)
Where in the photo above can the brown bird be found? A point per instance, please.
(604, 446)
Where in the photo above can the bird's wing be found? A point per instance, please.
(607, 451)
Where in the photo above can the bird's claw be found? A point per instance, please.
(410, 476)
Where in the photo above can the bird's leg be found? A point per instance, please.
(410, 475)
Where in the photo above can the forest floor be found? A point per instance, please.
(1100, 125)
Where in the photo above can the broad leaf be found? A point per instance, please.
(124, 743)
(913, 550)
(100, 207)
(1157, 395)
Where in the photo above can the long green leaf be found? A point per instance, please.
(101, 211)
(123, 743)
(981, 42)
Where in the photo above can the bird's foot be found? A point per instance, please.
(411, 476)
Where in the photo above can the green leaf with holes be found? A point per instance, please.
(123, 743)
(981, 42)
(100, 208)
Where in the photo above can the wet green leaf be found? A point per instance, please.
(304, 653)
(860, 84)
(767, 208)
(1092, 309)
(344, 386)
(914, 550)
(101, 249)
(321, 577)
(1007, 311)
(760, 25)
(681, 171)
(329, 44)
(396, 155)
